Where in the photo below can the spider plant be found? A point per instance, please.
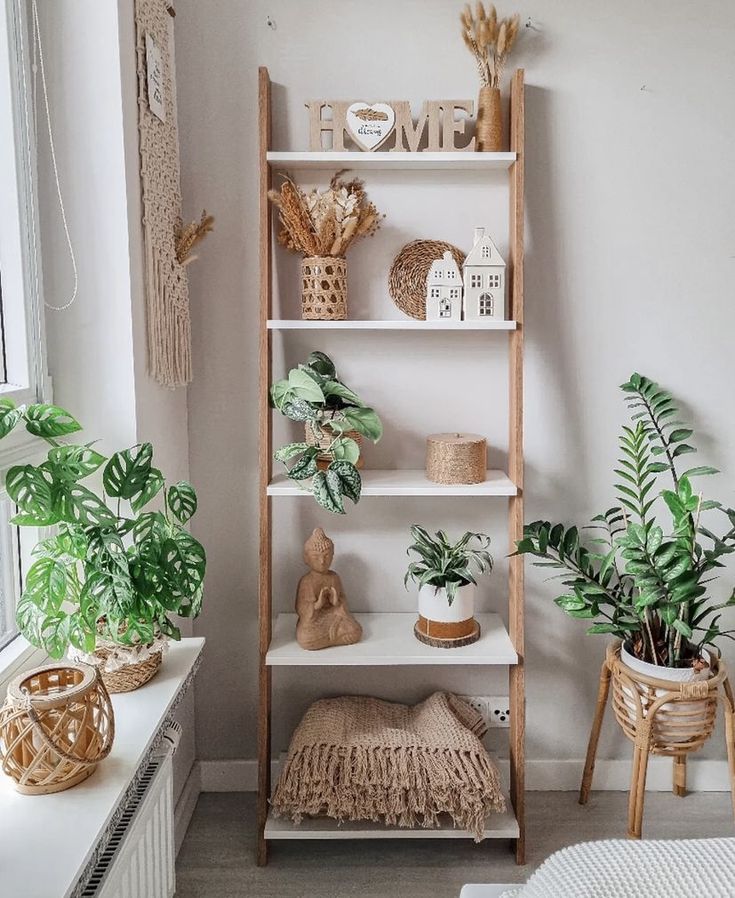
(444, 565)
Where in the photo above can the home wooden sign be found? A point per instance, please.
(341, 125)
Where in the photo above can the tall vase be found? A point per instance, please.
(489, 121)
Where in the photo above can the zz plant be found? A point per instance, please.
(116, 566)
(314, 395)
(446, 565)
(645, 580)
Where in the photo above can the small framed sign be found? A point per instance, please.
(154, 72)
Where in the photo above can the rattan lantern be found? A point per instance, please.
(56, 724)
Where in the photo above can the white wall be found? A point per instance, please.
(630, 255)
(97, 347)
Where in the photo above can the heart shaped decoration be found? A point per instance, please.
(370, 125)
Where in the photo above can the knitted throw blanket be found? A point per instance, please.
(357, 758)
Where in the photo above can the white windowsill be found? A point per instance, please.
(46, 841)
(17, 655)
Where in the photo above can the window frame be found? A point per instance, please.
(25, 380)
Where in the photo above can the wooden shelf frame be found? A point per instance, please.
(479, 163)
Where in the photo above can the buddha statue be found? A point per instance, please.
(321, 605)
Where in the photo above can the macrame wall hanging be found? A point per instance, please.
(167, 287)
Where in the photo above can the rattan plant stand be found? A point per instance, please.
(659, 718)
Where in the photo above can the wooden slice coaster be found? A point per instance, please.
(439, 643)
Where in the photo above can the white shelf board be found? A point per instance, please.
(497, 826)
(406, 324)
(388, 161)
(46, 840)
(407, 483)
(388, 640)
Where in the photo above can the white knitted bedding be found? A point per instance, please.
(692, 868)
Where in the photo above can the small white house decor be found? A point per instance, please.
(484, 280)
(444, 290)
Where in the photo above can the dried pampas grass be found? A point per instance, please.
(187, 237)
(489, 39)
(324, 223)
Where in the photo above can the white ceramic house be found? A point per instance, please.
(484, 280)
(444, 290)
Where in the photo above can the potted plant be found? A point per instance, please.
(105, 585)
(646, 580)
(335, 421)
(321, 226)
(446, 580)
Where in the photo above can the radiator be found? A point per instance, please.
(138, 861)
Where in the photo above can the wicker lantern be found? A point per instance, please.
(56, 724)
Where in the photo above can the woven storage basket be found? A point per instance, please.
(456, 458)
(129, 676)
(323, 460)
(407, 279)
(323, 288)
(56, 724)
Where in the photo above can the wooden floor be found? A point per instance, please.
(217, 857)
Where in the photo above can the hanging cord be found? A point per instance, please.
(38, 49)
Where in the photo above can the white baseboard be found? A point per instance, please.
(241, 775)
(187, 802)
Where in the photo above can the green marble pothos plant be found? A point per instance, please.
(646, 578)
(119, 563)
(314, 395)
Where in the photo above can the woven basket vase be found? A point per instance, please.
(56, 725)
(407, 278)
(323, 288)
(323, 460)
(489, 121)
(129, 676)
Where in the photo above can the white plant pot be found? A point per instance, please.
(434, 604)
(674, 675)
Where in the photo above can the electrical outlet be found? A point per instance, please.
(495, 709)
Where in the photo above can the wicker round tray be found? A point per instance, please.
(407, 279)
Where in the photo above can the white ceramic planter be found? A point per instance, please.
(675, 675)
(434, 605)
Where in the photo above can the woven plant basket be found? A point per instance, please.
(407, 279)
(323, 460)
(489, 121)
(678, 717)
(323, 288)
(129, 676)
(56, 725)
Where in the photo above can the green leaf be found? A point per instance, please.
(28, 616)
(682, 449)
(127, 471)
(45, 584)
(299, 410)
(106, 551)
(9, 417)
(81, 635)
(50, 421)
(182, 501)
(571, 541)
(287, 452)
(345, 449)
(184, 562)
(151, 488)
(304, 387)
(305, 467)
(322, 364)
(54, 634)
(74, 462)
(604, 628)
(108, 594)
(683, 433)
(700, 471)
(345, 394)
(151, 525)
(364, 421)
(75, 504)
(30, 490)
(350, 480)
(682, 627)
(328, 492)
(656, 467)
